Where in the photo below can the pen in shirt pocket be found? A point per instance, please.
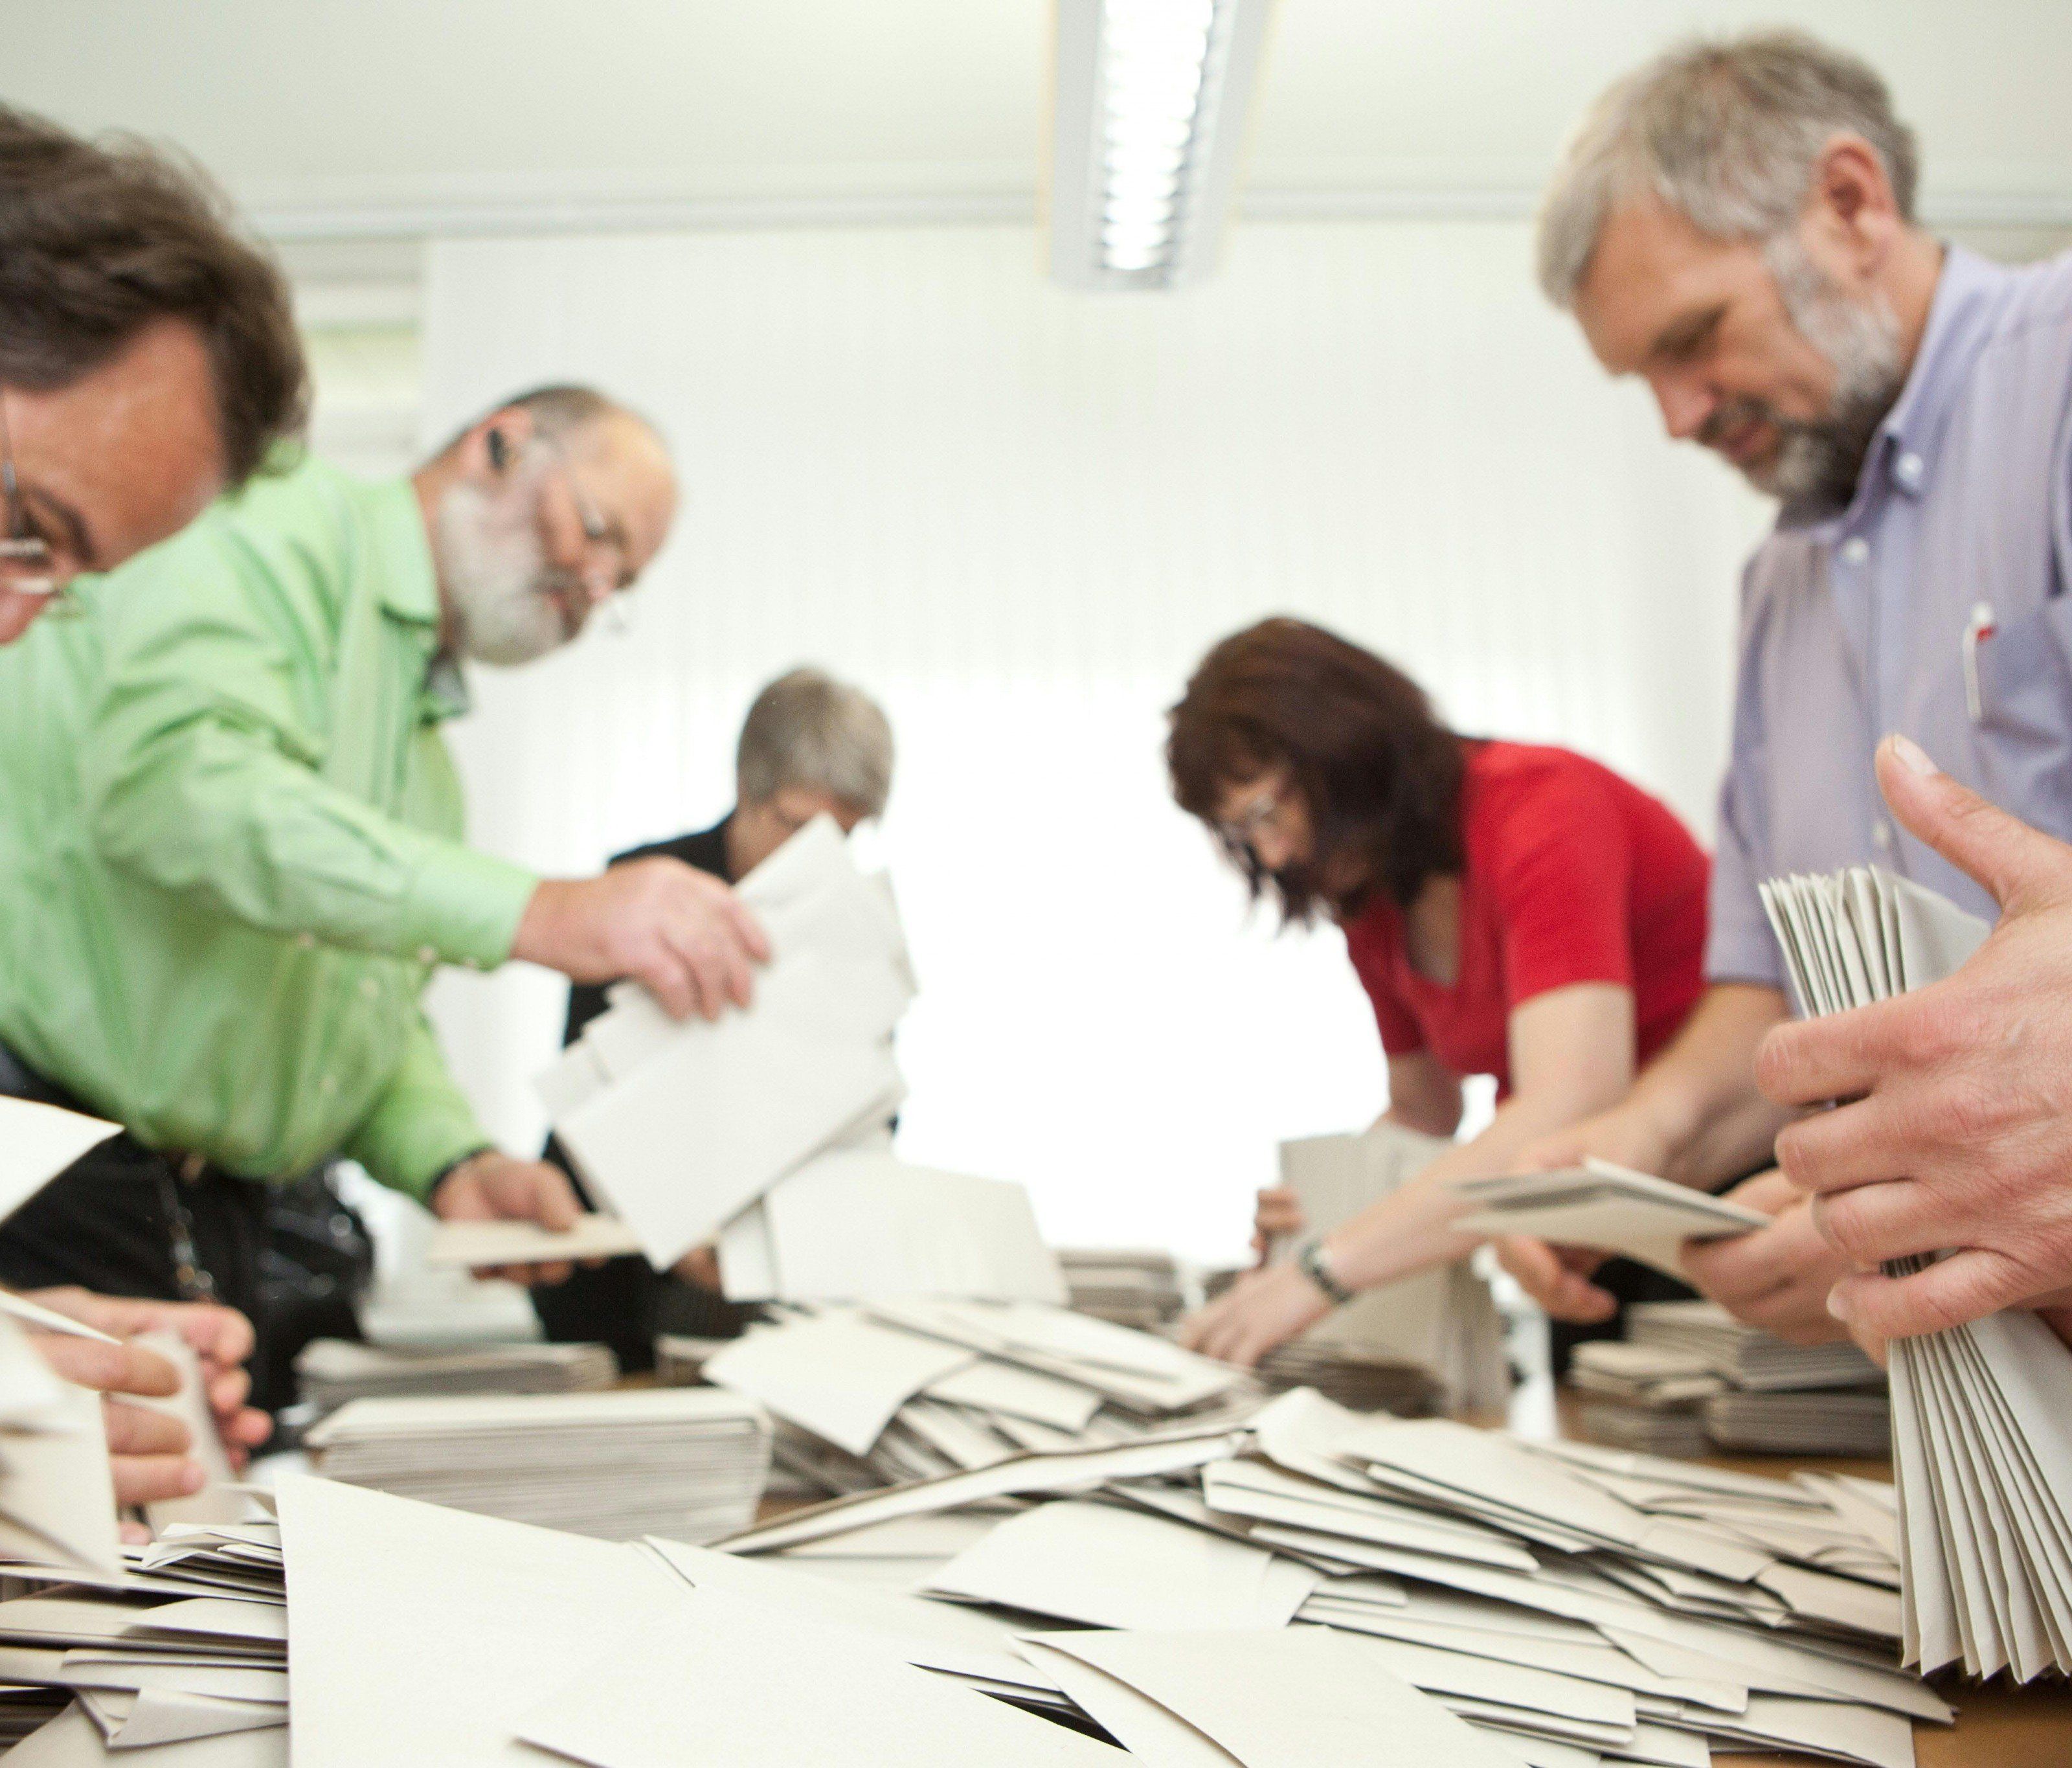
(1977, 630)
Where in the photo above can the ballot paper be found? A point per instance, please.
(37, 1142)
(683, 1125)
(215, 1503)
(477, 1244)
(57, 1496)
(75, 1740)
(329, 1371)
(859, 1225)
(1981, 1413)
(1441, 1320)
(1608, 1207)
(687, 1463)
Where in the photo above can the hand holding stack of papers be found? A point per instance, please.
(684, 1125)
(331, 1371)
(918, 1389)
(1610, 1207)
(1442, 1319)
(1982, 1413)
(685, 1462)
(57, 1499)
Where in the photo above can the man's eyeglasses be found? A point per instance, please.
(27, 565)
(602, 542)
(1239, 829)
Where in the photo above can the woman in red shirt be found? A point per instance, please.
(1512, 909)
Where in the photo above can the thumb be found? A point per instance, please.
(2023, 867)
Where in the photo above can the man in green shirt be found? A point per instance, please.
(230, 851)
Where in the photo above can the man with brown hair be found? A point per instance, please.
(148, 360)
(148, 357)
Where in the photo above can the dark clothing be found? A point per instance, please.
(126, 1220)
(1627, 1281)
(626, 1303)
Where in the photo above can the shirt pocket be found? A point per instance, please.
(2024, 692)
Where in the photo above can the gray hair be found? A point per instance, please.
(807, 728)
(559, 410)
(1729, 134)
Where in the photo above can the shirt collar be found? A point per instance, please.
(1904, 449)
(409, 587)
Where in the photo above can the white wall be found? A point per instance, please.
(1019, 516)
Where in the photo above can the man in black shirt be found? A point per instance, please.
(812, 745)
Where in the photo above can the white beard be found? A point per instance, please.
(496, 574)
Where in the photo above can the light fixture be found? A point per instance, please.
(1150, 106)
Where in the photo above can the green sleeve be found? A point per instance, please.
(421, 1123)
(200, 772)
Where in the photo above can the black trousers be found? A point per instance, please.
(126, 1220)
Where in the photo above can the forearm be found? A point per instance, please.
(1699, 1099)
(422, 1124)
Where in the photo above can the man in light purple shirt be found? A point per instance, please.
(1735, 222)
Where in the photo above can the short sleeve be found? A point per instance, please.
(1560, 861)
(1401, 1034)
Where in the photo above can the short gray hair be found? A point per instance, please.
(1727, 134)
(807, 728)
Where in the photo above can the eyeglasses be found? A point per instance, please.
(1239, 829)
(600, 538)
(27, 562)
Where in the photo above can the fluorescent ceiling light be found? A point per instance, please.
(1151, 100)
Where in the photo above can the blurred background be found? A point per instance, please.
(805, 237)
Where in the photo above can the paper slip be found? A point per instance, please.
(477, 1244)
(1604, 1206)
(37, 1142)
(215, 1503)
(39, 1318)
(72, 1739)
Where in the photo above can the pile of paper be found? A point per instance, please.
(685, 1462)
(1442, 1319)
(1981, 1414)
(914, 1390)
(859, 1225)
(1130, 1288)
(1689, 1379)
(684, 1125)
(1567, 1605)
(1359, 1379)
(1608, 1207)
(179, 1657)
(332, 1371)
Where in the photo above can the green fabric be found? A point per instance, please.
(230, 849)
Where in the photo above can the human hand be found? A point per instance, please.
(679, 931)
(221, 1337)
(1777, 1278)
(1261, 1311)
(1958, 1133)
(1279, 1213)
(491, 1186)
(148, 1451)
(700, 1266)
(1558, 1277)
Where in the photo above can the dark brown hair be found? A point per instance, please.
(1378, 773)
(98, 241)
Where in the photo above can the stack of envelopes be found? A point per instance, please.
(1572, 1605)
(684, 1125)
(1443, 1318)
(1606, 1206)
(1143, 1289)
(1362, 1380)
(916, 1389)
(1746, 1356)
(1982, 1413)
(686, 1461)
(332, 1371)
(181, 1657)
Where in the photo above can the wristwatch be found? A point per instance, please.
(1310, 1260)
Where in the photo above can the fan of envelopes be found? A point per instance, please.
(1982, 1413)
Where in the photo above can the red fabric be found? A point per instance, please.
(1572, 874)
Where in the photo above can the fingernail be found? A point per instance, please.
(1915, 758)
(1837, 1305)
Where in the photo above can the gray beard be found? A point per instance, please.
(1820, 462)
(496, 573)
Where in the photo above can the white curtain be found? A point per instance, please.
(1019, 516)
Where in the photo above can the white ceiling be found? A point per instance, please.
(329, 117)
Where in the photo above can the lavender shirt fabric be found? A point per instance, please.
(1854, 625)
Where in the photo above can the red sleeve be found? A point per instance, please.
(1559, 859)
(1401, 1034)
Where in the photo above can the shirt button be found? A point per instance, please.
(306, 941)
(1881, 834)
(1856, 550)
(327, 1085)
(427, 955)
(1909, 467)
(369, 987)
